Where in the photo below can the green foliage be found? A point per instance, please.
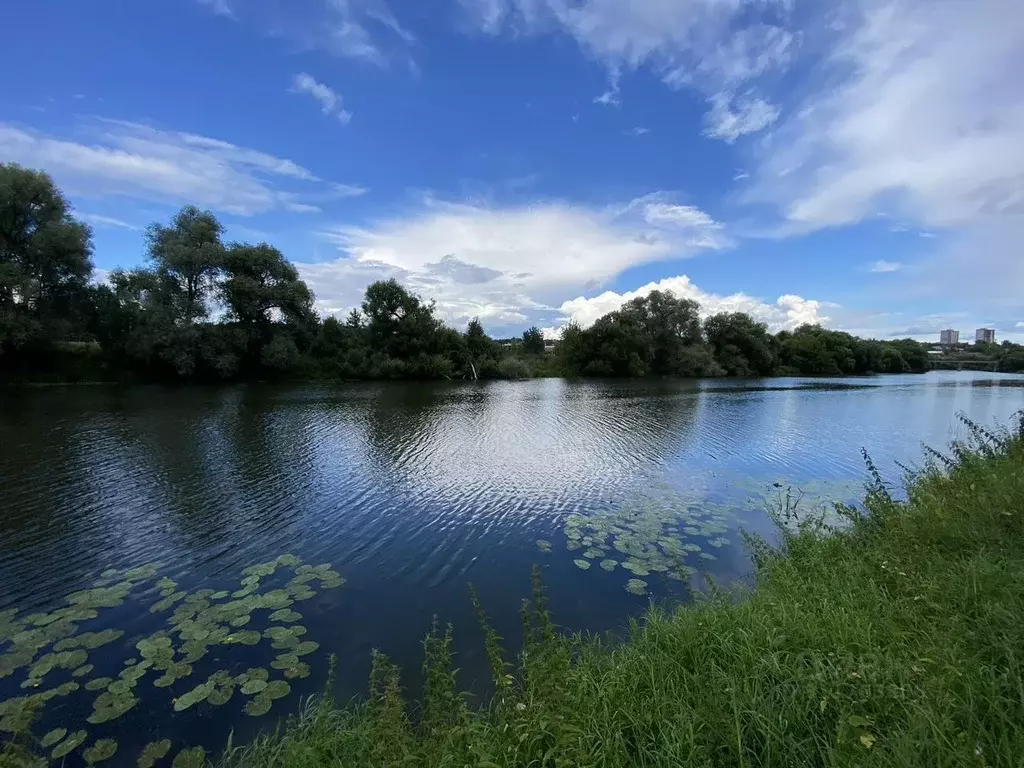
(533, 341)
(891, 640)
(45, 266)
(152, 323)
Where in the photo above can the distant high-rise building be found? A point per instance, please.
(985, 336)
(949, 336)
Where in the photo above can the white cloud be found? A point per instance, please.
(916, 114)
(638, 131)
(105, 222)
(710, 45)
(219, 7)
(885, 266)
(921, 118)
(358, 29)
(787, 312)
(508, 265)
(132, 160)
(611, 97)
(330, 100)
(731, 118)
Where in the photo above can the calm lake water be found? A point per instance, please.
(411, 492)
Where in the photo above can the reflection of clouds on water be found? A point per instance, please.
(505, 448)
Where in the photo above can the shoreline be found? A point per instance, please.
(859, 646)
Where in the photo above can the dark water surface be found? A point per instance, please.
(410, 492)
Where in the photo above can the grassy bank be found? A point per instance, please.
(897, 641)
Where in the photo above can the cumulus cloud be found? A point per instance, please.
(787, 312)
(329, 99)
(133, 160)
(507, 265)
(885, 266)
(705, 44)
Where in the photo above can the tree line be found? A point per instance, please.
(204, 310)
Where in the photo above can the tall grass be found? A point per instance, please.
(894, 639)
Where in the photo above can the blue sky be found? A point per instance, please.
(857, 163)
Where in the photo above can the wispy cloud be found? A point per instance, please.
(708, 45)
(731, 118)
(329, 99)
(917, 115)
(885, 266)
(359, 29)
(133, 160)
(638, 131)
(219, 7)
(106, 222)
(921, 120)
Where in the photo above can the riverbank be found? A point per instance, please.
(896, 641)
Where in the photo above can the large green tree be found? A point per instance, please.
(742, 346)
(399, 323)
(45, 260)
(533, 341)
(258, 281)
(187, 256)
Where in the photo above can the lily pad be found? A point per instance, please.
(221, 695)
(582, 564)
(196, 695)
(636, 587)
(277, 689)
(190, 758)
(82, 671)
(256, 673)
(304, 648)
(99, 684)
(152, 752)
(608, 565)
(245, 637)
(298, 671)
(544, 546)
(286, 616)
(103, 749)
(252, 687)
(258, 705)
(69, 745)
(143, 572)
(167, 603)
(53, 737)
(285, 661)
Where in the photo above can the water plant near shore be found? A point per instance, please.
(194, 623)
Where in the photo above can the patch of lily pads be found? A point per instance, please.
(648, 536)
(664, 533)
(55, 657)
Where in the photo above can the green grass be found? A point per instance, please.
(895, 641)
